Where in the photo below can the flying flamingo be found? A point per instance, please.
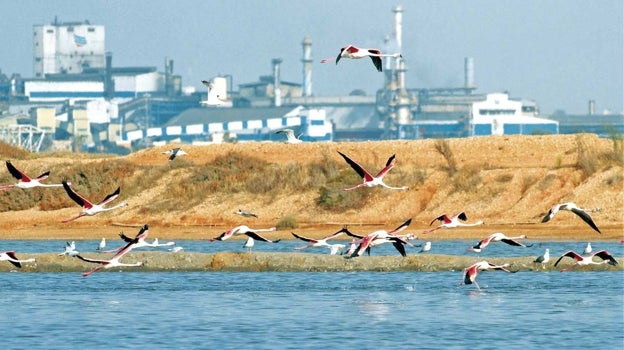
(89, 208)
(290, 136)
(544, 258)
(471, 272)
(114, 261)
(351, 51)
(12, 258)
(244, 230)
(582, 213)
(379, 237)
(155, 243)
(175, 152)
(498, 237)
(24, 181)
(451, 222)
(318, 243)
(588, 260)
(368, 179)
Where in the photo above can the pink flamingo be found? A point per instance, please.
(24, 181)
(606, 257)
(244, 230)
(354, 52)
(471, 272)
(379, 237)
(451, 222)
(582, 213)
(370, 180)
(318, 243)
(89, 208)
(11, 257)
(114, 261)
(498, 237)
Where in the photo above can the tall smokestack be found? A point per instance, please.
(276, 81)
(109, 87)
(592, 107)
(307, 66)
(469, 82)
(398, 26)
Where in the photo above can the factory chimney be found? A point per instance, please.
(109, 85)
(307, 66)
(276, 82)
(469, 82)
(592, 107)
(398, 26)
(168, 76)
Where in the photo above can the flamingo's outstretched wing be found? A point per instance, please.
(389, 164)
(80, 200)
(583, 215)
(110, 197)
(17, 173)
(357, 167)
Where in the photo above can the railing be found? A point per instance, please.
(24, 136)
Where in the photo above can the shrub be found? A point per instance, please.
(287, 222)
(443, 147)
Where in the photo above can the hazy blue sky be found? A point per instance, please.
(560, 53)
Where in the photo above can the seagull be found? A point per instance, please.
(351, 51)
(379, 237)
(336, 248)
(606, 257)
(588, 248)
(290, 136)
(24, 181)
(175, 152)
(368, 179)
(89, 208)
(471, 272)
(102, 244)
(213, 97)
(155, 243)
(451, 222)
(244, 230)
(70, 249)
(582, 213)
(318, 243)
(245, 213)
(249, 244)
(426, 247)
(114, 261)
(12, 258)
(498, 237)
(176, 249)
(543, 259)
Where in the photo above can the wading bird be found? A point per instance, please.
(175, 152)
(606, 257)
(582, 213)
(89, 208)
(12, 258)
(245, 213)
(114, 261)
(380, 237)
(354, 52)
(244, 230)
(451, 222)
(290, 135)
(498, 237)
(24, 181)
(368, 179)
(318, 243)
(471, 272)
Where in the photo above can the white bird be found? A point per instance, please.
(249, 244)
(11, 257)
(498, 237)
(544, 258)
(213, 98)
(70, 249)
(102, 244)
(354, 52)
(244, 230)
(451, 222)
(582, 213)
(336, 248)
(290, 136)
(318, 243)
(140, 240)
(588, 248)
(89, 208)
(176, 249)
(245, 213)
(24, 181)
(155, 243)
(426, 247)
(380, 237)
(606, 257)
(368, 179)
(471, 272)
(175, 152)
(114, 261)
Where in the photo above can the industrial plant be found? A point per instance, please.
(79, 100)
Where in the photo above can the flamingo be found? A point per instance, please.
(451, 222)
(70, 249)
(175, 152)
(102, 244)
(368, 179)
(213, 97)
(606, 257)
(249, 244)
(12, 258)
(353, 52)
(544, 258)
(318, 243)
(89, 208)
(290, 136)
(498, 237)
(114, 261)
(582, 213)
(471, 272)
(245, 213)
(24, 181)
(379, 237)
(244, 230)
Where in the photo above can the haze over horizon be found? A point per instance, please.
(558, 53)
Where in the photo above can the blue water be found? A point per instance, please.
(274, 310)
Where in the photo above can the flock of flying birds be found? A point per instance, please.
(359, 245)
